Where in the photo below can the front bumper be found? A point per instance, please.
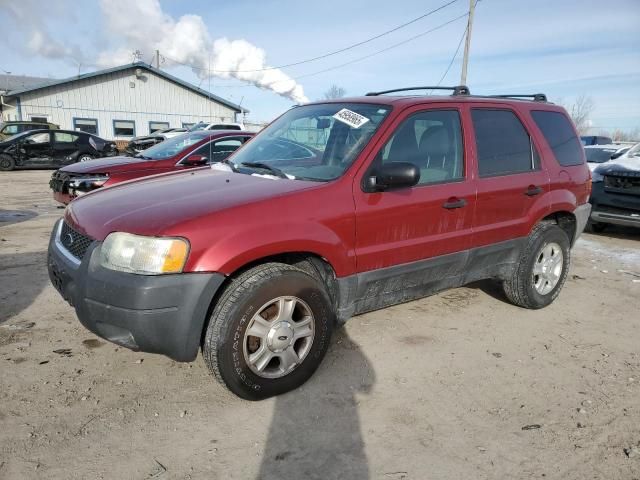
(614, 208)
(163, 314)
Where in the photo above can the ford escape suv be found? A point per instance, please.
(335, 209)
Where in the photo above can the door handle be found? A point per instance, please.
(454, 202)
(533, 190)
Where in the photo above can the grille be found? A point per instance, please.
(623, 182)
(76, 243)
(60, 181)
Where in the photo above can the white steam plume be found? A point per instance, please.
(144, 26)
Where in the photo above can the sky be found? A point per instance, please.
(562, 48)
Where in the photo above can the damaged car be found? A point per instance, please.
(189, 150)
(139, 144)
(52, 149)
(615, 195)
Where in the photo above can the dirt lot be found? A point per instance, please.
(459, 385)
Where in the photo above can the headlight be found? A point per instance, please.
(596, 176)
(126, 252)
(86, 184)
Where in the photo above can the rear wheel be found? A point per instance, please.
(542, 270)
(7, 163)
(268, 331)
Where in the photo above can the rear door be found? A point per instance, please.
(405, 226)
(511, 183)
(64, 147)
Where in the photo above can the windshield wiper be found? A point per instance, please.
(276, 171)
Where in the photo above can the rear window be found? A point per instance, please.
(504, 146)
(560, 136)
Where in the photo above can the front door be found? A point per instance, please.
(511, 183)
(405, 228)
(35, 149)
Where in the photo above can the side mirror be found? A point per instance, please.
(195, 160)
(392, 175)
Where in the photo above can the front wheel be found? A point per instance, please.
(542, 270)
(268, 331)
(85, 157)
(7, 163)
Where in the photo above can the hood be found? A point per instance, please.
(623, 164)
(103, 165)
(153, 205)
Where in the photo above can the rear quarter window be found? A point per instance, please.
(561, 137)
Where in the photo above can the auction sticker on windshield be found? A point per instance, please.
(353, 119)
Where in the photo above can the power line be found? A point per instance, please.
(415, 37)
(453, 59)
(320, 57)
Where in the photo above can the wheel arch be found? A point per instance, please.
(565, 219)
(312, 263)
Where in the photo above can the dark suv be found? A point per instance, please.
(335, 209)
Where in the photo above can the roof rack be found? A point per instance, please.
(457, 90)
(537, 97)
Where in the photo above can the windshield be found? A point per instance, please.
(634, 152)
(172, 146)
(313, 142)
(599, 155)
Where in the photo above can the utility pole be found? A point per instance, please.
(158, 59)
(467, 43)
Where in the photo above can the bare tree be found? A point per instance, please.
(334, 91)
(580, 112)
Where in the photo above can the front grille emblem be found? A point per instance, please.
(68, 240)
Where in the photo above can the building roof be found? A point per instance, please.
(9, 83)
(47, 83)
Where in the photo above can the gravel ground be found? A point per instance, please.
(458, 385)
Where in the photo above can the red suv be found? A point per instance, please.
(189, 150)
(335, 209)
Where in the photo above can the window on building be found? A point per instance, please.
(39, 119)
(64, 137)
(431, 140)
(187, 125)
(124, 128)
(155, 126)
(560, 136)
(89, 125)
(504, 146)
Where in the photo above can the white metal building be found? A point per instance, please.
(119, 103)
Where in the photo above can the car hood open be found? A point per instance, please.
(153, 205)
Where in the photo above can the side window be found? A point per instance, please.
(504, 146)
(560, 136)
(10, 129)
(432, 141)
(218, 151)
(63, 137)
(37, 138)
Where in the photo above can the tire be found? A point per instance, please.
(7, 163)
(596, 227)
(541, 254)
(85, 157)
(271, 290)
